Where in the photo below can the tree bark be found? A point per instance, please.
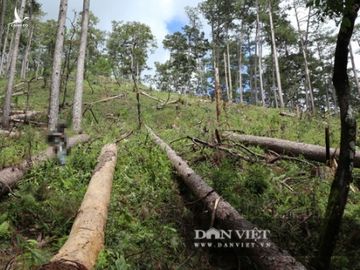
(2, 61)
(343, 176)
(226, 216)
(309, 151)
(353, 65)
(2, 20)
(259, 53)
(229, 72)
(56, 69)
(11, 80)
(10, 176)
(226, 78)
(77, 107)
(276, 61)
(308, 87)
(9, 54)
(217, 94)
(240, 65)
(86, 238)
(25, 62)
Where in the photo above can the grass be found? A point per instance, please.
(148, 226)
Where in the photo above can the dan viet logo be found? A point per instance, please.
(232, 238)
(17, 20)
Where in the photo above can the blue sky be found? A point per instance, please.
(174, 25)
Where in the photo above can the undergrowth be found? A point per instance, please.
(147, 225)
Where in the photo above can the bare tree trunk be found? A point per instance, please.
(255, 73)
(2, 20)
(217, 94)
(303, 46)
(240, 66)
(9, 177)
(10, 53)
(265, 253)
(11, 80)
(259, 52)
(276, 61)
(56, 69)
(226, 78)
(229, 72)
(86, 238)
(25, 61)
(77, 107)
(274, 81)
(343, 177)
(2, 61)
(354, 68)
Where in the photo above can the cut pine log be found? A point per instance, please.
(86, 238)
(269, 257)
(10, 176)
(309, 151)
(26, 115)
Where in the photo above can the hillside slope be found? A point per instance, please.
(151, 219)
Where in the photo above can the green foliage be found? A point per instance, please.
(128, 47)
(257, 179)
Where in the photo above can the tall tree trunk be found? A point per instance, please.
(276, 61)
(303, 46)
(274, 80)
(354, 68)
(229, 72)
(217, 94)
(226, 78)
(240, 65)
(77, 107)
(343, 177)
(259, 52)
(56, 69)
(216, 60)
(329, 79)
(10, 53)
(25, 62)
(11, 80)
(2, 20)
(3, 53)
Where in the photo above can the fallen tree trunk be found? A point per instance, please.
(9, 133)
(162, 102)
(151, 97)
(86, 238)
(287, 114)
(270, 257)
(105, 100)
(309, 151)
(16, 94)
(10, 176)
(22, 116)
